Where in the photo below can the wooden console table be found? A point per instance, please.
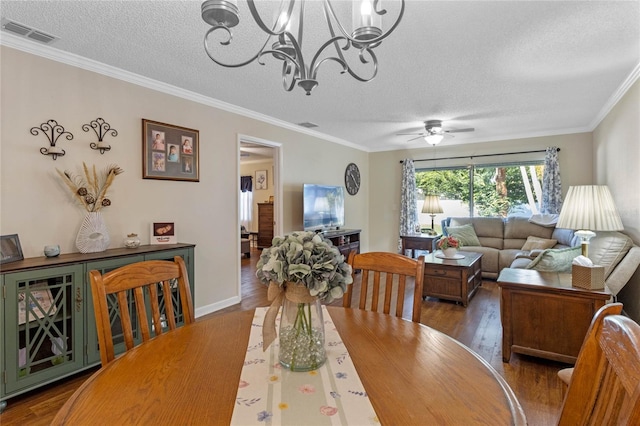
(451, 279)
(418, 242)
(543, 315)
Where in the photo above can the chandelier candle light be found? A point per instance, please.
(286, 36)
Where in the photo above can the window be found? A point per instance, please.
(512, 189)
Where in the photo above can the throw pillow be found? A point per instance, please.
(555, 260)
(465, 233)
(538, 243)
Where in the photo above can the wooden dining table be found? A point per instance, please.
(413, 375)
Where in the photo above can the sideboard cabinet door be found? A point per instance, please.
(43, 325)
(93, 350)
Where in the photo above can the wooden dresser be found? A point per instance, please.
(265, 224)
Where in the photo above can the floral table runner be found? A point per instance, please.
(273, 395)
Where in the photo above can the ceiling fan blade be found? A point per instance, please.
(413, 139)
(470, 129)
(409, 134)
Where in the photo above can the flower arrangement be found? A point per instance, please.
(91, 190)
(309, 259)
(448, 242)
(301, 270)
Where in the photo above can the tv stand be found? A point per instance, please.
(346, 240)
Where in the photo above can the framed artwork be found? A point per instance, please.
(261, 179)
(170, 152)
(10, 249)
(163, 233)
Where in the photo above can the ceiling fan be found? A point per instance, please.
(434, 133)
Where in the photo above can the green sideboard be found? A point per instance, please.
(48, 327)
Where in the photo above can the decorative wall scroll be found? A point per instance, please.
(101, 129)
(52, 130)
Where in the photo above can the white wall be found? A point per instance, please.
(575, 159)
(616, 163)
(35, 205)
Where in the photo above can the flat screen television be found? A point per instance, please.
(323, 207)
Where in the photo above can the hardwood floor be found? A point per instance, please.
(533, 380)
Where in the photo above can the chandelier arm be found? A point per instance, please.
(256, 17)
(329, 6)
(294, 77)
(227, 42)
(313, 69)
(299, 59)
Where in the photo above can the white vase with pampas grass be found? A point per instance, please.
(91, 191)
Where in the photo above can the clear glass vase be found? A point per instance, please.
(301, 336)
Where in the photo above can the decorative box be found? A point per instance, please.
(588, 277)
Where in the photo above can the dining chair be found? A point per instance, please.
(127, 286)
(392, 270)
(605, 385)
(609, 309)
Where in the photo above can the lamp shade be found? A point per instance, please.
(589, 207)
(432, 205)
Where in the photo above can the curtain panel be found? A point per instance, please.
(408, 210)
(551, 183)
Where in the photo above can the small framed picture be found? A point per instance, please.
(271, 199)
(10, 249)
(261, 179)
(169, 152)
(163, 233)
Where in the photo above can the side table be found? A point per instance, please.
(418, 242)
(543, 315)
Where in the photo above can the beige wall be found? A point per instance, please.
(35, 205)
(616, 147)
(575, 159)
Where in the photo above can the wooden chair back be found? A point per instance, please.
(386, 268)
(605, 385)
(609, 309)
(128, 284)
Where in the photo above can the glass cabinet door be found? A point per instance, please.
(44, 315)
(93, 350)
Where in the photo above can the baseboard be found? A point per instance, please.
(209, 309)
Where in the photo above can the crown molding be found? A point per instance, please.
(615, 98)
(49, 52)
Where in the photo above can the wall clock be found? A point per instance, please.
(352, 179)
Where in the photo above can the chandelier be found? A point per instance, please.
(286, 37)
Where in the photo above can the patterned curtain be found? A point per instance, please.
(246, 183)
(408, 212)
(551, 183)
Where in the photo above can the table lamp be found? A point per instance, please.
(589, 208)
(432, 207)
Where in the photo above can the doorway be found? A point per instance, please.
(259, 159)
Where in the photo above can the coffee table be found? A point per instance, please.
(452, 279)
(543, 315)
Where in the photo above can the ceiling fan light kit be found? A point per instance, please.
(287, 30)
(434, 132)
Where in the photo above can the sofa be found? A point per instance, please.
(517, 242)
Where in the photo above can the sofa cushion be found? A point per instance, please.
(490, 230)
(518, 229)
(465, 233)
(608, 248)
(538, 243)
(565, 237)
(555, 260)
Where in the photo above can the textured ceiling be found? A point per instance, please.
(508, 69)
